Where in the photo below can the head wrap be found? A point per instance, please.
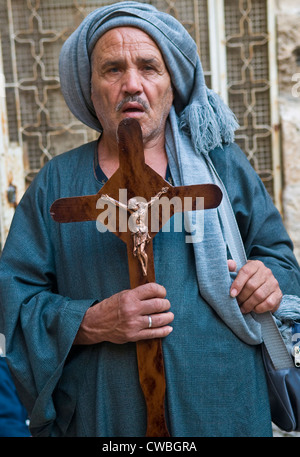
(201, 112)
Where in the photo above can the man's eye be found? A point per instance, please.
(148, 68)
(113, 70)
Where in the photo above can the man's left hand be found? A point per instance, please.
(255, 288)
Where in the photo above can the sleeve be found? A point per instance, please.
(39, 325)
(264, 235)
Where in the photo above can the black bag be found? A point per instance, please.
(284, 394)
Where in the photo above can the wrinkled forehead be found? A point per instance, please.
(126, 39)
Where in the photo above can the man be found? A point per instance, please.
(69, 316)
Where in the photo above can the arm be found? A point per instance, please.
(39, 323)
(272, 269)
(49, 284)
(158, 195)
(115, 202)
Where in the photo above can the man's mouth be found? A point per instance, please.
(132, 108)
(132, 105)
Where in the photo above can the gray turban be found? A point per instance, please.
(201, 112)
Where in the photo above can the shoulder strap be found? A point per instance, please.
(271, 335)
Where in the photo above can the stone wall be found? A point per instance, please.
(288, 42)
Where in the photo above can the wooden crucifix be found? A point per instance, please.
(138, 179)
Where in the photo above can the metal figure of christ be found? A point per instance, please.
(139, 228)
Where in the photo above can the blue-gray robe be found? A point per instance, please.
(51, 273)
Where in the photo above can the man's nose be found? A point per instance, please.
(132, 83)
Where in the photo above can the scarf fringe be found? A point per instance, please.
(287, 314)
(209, 125)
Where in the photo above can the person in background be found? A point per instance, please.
(13, 415)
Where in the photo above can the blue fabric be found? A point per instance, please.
(202, 113)
(13, 415)
(51, 273)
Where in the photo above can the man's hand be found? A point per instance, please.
(124, 317)
(255, 288)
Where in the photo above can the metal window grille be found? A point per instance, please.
(33, 31)
(249, 82)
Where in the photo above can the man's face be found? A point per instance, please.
(130, 79)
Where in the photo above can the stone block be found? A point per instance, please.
(288, 44)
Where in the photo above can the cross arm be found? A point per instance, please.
(85, 208)
(211, 194)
